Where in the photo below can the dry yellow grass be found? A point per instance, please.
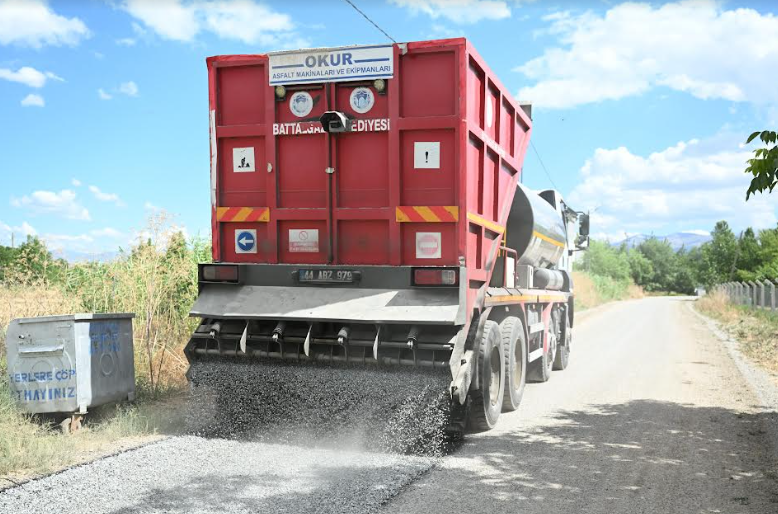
(156, 283)
(756, 330)
(591, 291)
(28, 445)
(31, 301)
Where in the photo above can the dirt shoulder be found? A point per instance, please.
(35, 447)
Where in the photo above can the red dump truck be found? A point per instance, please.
(367, 207)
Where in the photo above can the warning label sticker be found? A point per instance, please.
(426, 155)
(428, 245)
(243, 159)
(306, 240)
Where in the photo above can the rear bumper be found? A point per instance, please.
(383, 295)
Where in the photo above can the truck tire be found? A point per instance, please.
(540, 370)
(514, 344)
(563, 350)
(487, 400)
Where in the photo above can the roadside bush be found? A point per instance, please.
(156, 279)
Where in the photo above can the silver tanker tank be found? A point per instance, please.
(535, 230)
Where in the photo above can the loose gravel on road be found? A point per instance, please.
(277, 438)
(398, 410)
(196, 475)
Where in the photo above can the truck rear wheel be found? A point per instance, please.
(514, 345)
(488, 399)
(563, 350)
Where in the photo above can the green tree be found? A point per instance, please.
(7, 257)
(718, 256)
(767, 267)
(764, 165)
(33, 263)
(640, 267)
(663, 262)
(603, 260)
(748, 256)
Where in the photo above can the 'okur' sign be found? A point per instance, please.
(332, 64)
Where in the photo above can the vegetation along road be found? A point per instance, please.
(653, 416)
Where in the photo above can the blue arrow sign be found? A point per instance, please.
(245, 241)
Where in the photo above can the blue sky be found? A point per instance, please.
(640, 109)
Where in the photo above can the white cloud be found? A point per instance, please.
(151, 207)
(694, 183)
(697, 232)
(128, 88)
(33, 101)
(107, 232)
(75, 182)
(29, 76)
(19, 232)
(33, 23)
(106, 197)
(126, 41)
(103, 95)
(458, 11)
(49, 202)
(694, 46)
(242, 20)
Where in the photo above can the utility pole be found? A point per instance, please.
(12, 239)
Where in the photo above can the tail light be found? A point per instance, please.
(435, 276)
(218, 273)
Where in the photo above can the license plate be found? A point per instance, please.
(328, 276)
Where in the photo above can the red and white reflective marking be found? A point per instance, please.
(428, 245)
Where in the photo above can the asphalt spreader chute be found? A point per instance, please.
(378, 386)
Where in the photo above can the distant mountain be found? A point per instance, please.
(678, 240)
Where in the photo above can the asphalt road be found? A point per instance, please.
(651, 416)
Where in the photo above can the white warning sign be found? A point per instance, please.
(428, 245)
(426, 155)
(303, 241)
(243, 159)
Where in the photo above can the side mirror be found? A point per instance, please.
(583, 228)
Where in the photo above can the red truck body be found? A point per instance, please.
(425, 179)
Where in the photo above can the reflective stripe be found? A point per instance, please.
(427, 214)
(535, 355)
(552, 298)
(511, 298)
(242, 214)
(548, 239)
(478, 220)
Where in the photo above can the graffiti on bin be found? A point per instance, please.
(58, 375)
(104, 337)
(46, 395)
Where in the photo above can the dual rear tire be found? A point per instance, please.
(502, 362)
(488, 399)
(504, 369)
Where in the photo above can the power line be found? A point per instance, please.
(541, 163)
(371, 21)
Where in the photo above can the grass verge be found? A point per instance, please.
(755, 329)
(594, 290)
